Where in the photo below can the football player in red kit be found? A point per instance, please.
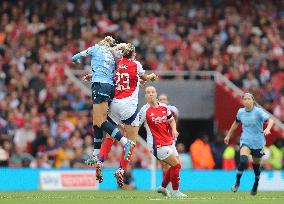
(161, 126)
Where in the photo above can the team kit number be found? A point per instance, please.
(123, 81)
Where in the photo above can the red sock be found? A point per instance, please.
(124, 163)
(166, 177)
(164, 174)
(174, 176)
(105, 149)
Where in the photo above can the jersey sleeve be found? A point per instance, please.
(169, 113)
(140, 69)
(238, 117)
(175, 111)
(91, 50)
(263, 115)
(142, 115)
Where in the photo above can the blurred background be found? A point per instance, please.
(205, 52)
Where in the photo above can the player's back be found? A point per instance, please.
(127, 79)
(103, 63)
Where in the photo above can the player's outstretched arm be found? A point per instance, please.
(87, 77)
(76, 58)
(149, 77)
(232, 129)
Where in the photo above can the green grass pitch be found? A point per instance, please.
(135, 197)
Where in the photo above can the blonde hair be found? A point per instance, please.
(108, 41)
(127, 49)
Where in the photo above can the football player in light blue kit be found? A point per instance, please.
(103, 67)
(252, 140)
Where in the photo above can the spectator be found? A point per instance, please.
(229, 162)
(276, 154)
(24, 136)
(218, 147)
(4, 157)
(201, 153)
(41, 161)
(20, 158)
(184, 157)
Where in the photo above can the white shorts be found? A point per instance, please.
(164, 152)
(124, 112)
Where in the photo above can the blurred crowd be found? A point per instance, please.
(45, 120)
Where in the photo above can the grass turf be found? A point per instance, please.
(135, 197)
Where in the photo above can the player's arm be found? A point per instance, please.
(87, 77)
(173, 125)
(149, 77)
(270, 123)
(231, 131)
(76, 58)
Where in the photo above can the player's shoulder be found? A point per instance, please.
(137, 62)
(163, 105)
(241, 110)
(173, 108)
(145, 108)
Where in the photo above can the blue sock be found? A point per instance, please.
(111, 130)
(242, 166)
(98, 137)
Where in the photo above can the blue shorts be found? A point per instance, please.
(102, 92)
(257, 153)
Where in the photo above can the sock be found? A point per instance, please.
(114, 132)
(174, 176)
(166, 178)
(98, 138)
(256, 169)
(105, 149)
(241, 167)
(123, 162)
(164, 174)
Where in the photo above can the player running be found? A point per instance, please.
(163, 98)
(158, 121)
(252, 139)
(103, 67)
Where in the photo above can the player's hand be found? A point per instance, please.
(175, 134)
(142, 83)
(87, 77)
(153, 77)
(76, 61)
(266, 132)
(227, 139)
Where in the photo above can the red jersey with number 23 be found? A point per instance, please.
(156, 121)
(127, 79)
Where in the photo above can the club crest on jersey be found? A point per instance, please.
(123, 66)
(159, 119)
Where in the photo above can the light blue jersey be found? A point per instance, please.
(102, 63)
(252, 125)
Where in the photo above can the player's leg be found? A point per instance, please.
(105, 148)
(256, 161)
(131, 133)
(174, 172)
(100, 107)
(244, 154)
(166, 175)
(103, 95)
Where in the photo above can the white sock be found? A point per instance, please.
(96, 152)
(123, 141)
